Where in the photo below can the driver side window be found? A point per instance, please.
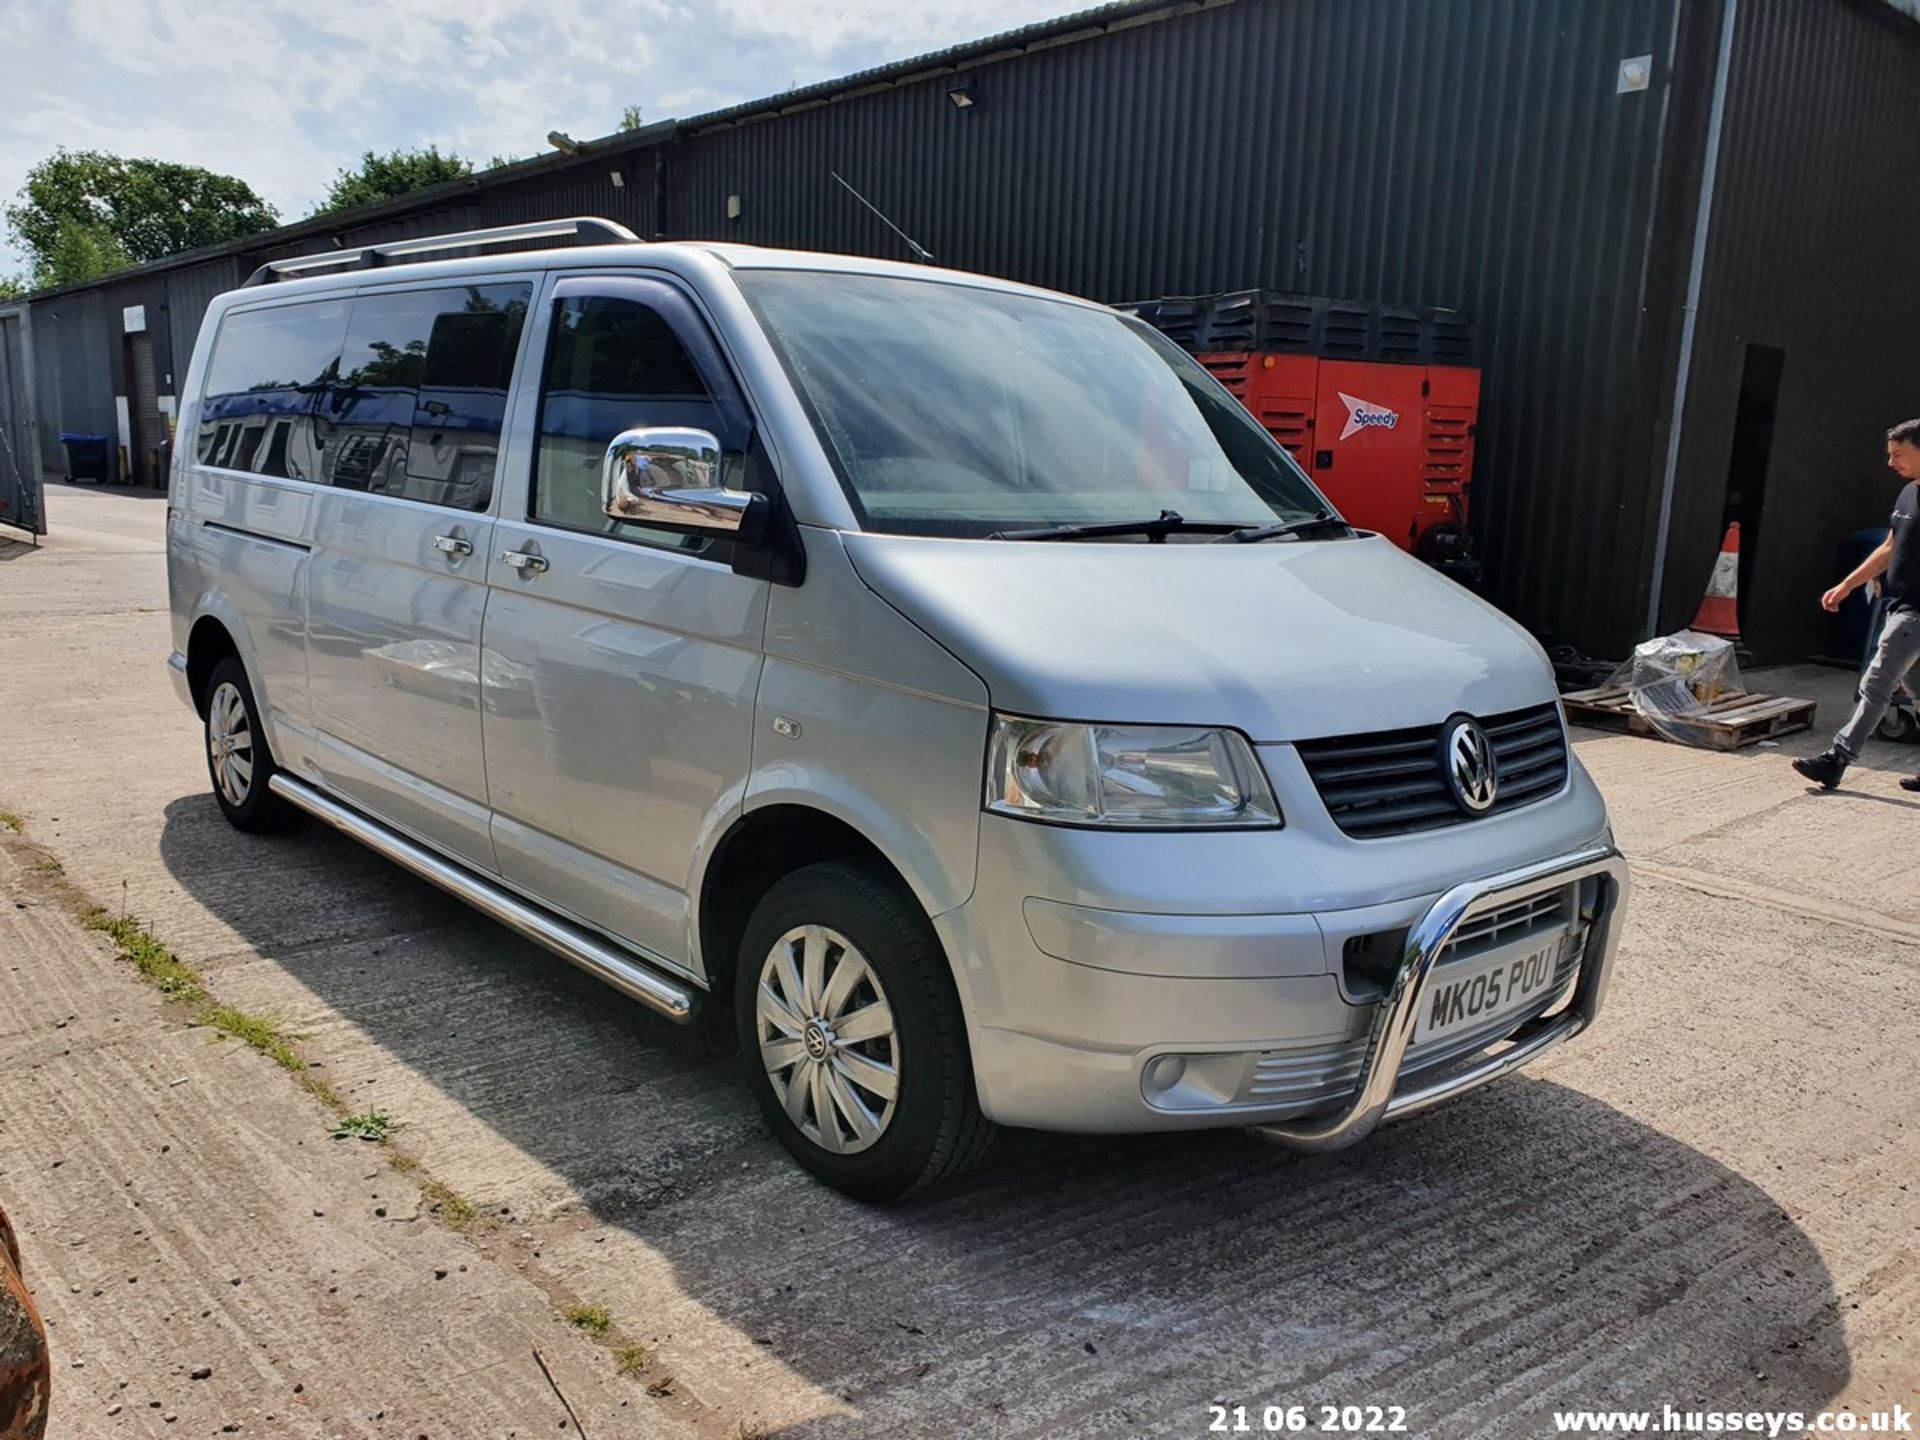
(612, 364)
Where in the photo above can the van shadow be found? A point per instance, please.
(1526, 1249)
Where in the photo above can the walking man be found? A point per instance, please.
(1898, 558)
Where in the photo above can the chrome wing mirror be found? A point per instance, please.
(669, 478)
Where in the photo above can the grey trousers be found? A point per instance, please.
(1899, 647)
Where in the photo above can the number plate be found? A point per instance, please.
(1477, 992)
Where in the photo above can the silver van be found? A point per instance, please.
(945, 676)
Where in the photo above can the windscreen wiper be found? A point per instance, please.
(1247, 534)
(1156, 530)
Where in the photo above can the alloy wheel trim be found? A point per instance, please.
(230, 743)
(827, 1039)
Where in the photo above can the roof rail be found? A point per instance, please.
(589, 228)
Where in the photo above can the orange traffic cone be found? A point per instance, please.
(1719, 612)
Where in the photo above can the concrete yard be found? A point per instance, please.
(1711, 1201)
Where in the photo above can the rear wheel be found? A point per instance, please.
(852, 1034)
(238, 761)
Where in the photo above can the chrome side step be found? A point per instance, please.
(623, 970)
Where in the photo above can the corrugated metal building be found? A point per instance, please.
(1479, 154)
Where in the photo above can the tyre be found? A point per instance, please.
(1898, 724)
(238, 761)
(852, 1036)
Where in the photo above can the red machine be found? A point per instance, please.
(1377, 404)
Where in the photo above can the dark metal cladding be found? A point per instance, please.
(25, 1370)
(585, 189)
(1814, 250)
(189, 292)
(440, 220)
(1463, 153)
(1472, 154)
(73, 337)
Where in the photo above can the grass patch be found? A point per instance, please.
(631, 1359)
(44, 865)
(593, 1319)
(458, 1213)
(364, 1125)
(321, 1091)
(11, 821)
(173, 976)
(179, 981)
(257, 1032)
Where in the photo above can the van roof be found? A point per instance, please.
(680, 256)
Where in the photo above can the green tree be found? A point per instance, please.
(398, 172)
(631, 119)
(85, 213)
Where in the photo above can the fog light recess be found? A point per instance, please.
(1164, 1072)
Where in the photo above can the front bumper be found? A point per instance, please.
(1380, 1095)
(1070, 1005)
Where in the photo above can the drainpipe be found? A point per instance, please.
(660, 191)
(1702, 223)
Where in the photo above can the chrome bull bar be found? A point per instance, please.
(1395, 1017)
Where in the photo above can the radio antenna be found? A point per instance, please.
(920, 251)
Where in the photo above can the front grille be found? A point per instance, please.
(1371, 960)
(1391, 782)
(1509, 924)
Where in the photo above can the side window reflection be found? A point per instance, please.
(613, 364)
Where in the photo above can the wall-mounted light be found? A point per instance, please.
(733, 207)
(619, 180)
(563, 142)
(1635, 74)
(961, 95)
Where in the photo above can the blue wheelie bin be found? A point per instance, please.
(89, 457)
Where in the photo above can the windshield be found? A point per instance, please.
(961, 411)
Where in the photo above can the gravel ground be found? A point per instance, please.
(1707, 1202)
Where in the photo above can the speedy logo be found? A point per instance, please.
(1363, 415)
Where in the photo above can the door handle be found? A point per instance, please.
(453, 544)
(525, 560)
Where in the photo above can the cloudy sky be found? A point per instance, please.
(283, 93)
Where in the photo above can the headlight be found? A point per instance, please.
(1127, 776)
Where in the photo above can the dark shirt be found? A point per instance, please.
(1902, 582)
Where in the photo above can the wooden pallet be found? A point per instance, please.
(1735, 719)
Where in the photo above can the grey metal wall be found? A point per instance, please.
(74, 343)
(189, 292)
(434, 220)
(1815, 249)
(585, 189)
(1471, 153)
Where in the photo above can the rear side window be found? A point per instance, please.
(613, 364)
(269, 368)
(416, 406)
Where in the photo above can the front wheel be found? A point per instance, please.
(238, 761)
(852, 1035)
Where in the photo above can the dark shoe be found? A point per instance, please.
(1824, 770)
(1912, 782)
